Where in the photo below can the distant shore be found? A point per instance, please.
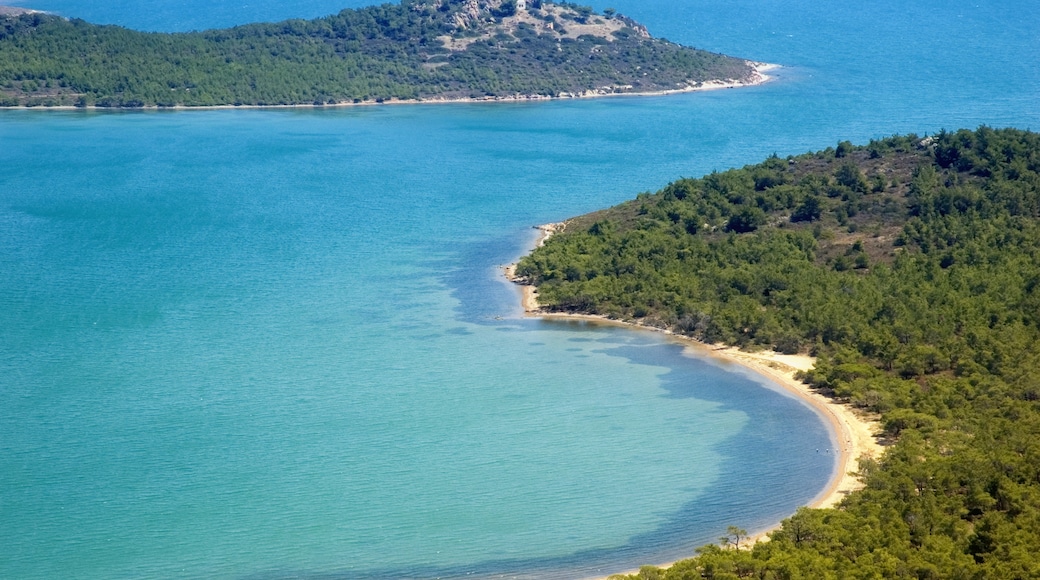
(757, 77)
(855, 432)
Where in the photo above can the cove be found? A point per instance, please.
(240, 346)
(273, 344)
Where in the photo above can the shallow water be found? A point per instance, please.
(275, 343)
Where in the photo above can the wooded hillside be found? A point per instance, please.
(418, 49)
(911, 268)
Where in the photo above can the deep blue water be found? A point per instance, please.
(264, 344)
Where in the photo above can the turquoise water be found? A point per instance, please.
(267, 344)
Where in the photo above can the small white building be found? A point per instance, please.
(521, 5)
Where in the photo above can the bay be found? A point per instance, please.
(253, 343)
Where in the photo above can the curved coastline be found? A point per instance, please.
(855, 432)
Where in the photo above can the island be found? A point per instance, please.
(415, 51)
(910, 269)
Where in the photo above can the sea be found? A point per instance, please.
(266, 344)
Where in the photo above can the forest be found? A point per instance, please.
(418, 49)
(910, 267)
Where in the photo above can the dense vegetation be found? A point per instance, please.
(419, 49)
(911, 268)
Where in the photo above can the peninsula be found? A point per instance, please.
(415, 51)
(910, 269)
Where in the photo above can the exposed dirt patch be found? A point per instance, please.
(557, 21)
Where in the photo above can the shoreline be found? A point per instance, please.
(758, 77)
(854, 432)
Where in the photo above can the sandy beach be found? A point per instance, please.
(758, 77)
(854, 432)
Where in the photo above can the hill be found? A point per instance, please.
(911, 268)
(415, 50)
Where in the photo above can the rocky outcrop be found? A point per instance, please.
(15, 11)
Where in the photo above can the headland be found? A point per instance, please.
(855, 432)
(417, 51)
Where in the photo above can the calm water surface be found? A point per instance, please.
(266, 344)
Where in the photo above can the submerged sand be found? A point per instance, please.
(855, 431)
